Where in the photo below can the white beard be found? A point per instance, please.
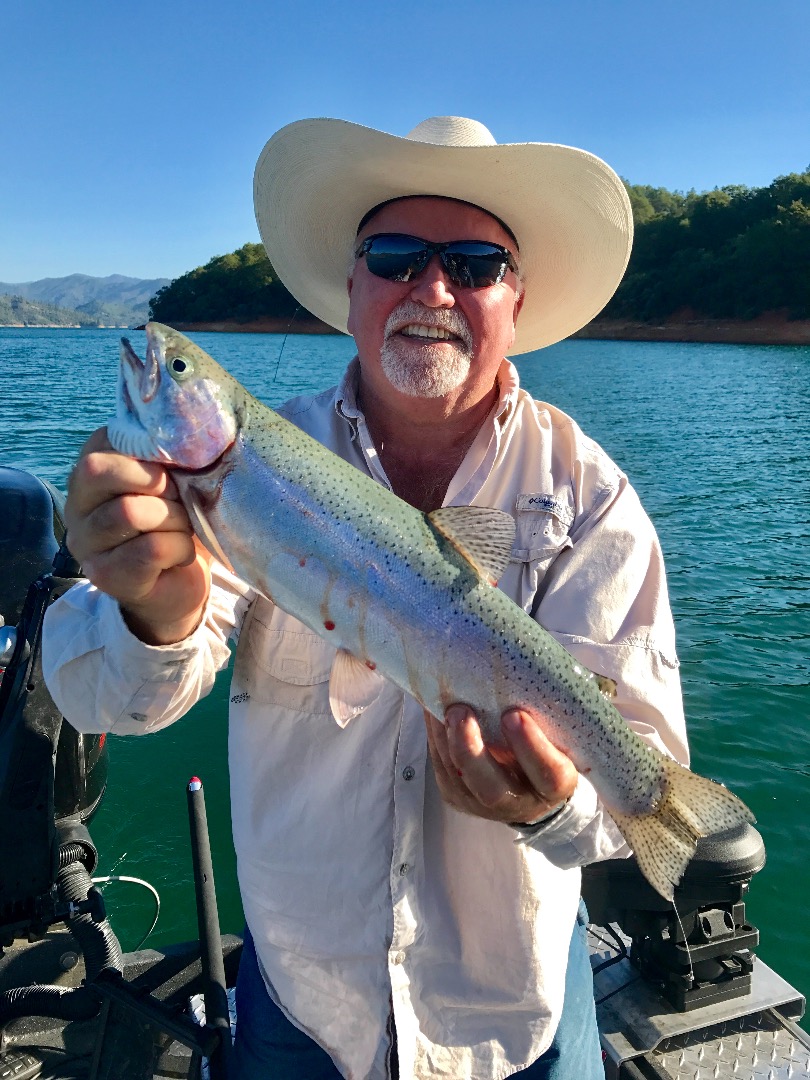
(438, 369)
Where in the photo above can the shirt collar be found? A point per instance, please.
(346, 397)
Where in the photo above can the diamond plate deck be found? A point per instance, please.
(746, 1038)
(757, 1047)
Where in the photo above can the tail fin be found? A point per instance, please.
(664, 841)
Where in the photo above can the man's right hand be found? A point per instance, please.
(134, 541)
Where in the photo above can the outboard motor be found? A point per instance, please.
(51, 778)
(703, 952)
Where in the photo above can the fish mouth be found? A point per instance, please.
(145, 374)
(138, 383)
(218, 464)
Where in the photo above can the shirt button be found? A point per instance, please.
(403, 870)
(408, 773)
(398, 958)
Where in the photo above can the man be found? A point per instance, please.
(410, 893)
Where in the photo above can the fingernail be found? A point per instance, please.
(512, 721)
(454, 715)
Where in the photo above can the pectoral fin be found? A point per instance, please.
(203, 529)
(353, 686)
(482, 535)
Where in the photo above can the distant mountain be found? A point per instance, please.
(115, 300)
(17, 311)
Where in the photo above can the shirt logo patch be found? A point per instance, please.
(545, 504)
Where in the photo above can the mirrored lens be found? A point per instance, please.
(396, 258)
(474, 265)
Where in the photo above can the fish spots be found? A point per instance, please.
(302, 562)
(328, 624)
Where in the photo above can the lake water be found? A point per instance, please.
(716, 439)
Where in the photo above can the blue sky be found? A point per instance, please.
(129, 132)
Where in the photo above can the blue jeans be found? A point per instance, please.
(269, 1047)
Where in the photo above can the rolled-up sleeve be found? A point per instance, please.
(103, 678)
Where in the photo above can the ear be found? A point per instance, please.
(350, 320)
(518, 305)
(515, 313)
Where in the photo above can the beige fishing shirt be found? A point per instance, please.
(367, 896)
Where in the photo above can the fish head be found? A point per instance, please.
(177, 406)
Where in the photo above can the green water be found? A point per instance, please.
(717, 441)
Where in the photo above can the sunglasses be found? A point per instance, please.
(473, 264)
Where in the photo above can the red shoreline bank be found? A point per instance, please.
(769, 329)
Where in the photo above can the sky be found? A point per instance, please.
(129, 132)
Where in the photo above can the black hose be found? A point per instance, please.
(71, 853)
(61, 1002)
(96, 940)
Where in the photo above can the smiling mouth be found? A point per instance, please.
(432, 333)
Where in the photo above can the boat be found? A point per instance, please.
(680, 992)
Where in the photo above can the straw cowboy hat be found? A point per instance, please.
(316, 179)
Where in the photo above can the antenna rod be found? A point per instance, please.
(217, 1015)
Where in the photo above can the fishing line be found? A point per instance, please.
(686, 944)
(134, 881)
(118, 862)
(284, 342)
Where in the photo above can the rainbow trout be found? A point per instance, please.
(402, 595)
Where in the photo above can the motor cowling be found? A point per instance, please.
(51, 776)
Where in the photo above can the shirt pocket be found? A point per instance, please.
(284, 663)
(542, 525)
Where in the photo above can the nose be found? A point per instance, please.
(433, 287)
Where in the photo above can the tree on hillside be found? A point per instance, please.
(651, 202)
(240, 286)
(734, 252)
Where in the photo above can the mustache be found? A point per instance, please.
(444, 318)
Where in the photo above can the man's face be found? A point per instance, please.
(386, 317)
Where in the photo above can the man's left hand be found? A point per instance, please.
(522, 781)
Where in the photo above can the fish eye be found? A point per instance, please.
(180, 368)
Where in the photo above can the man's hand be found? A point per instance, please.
(132, 536)
(521, 782)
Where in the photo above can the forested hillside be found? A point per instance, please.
(734, 252)
(17, 311)
(115, 300)
(242, 286)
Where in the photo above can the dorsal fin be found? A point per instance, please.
(482, 535)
